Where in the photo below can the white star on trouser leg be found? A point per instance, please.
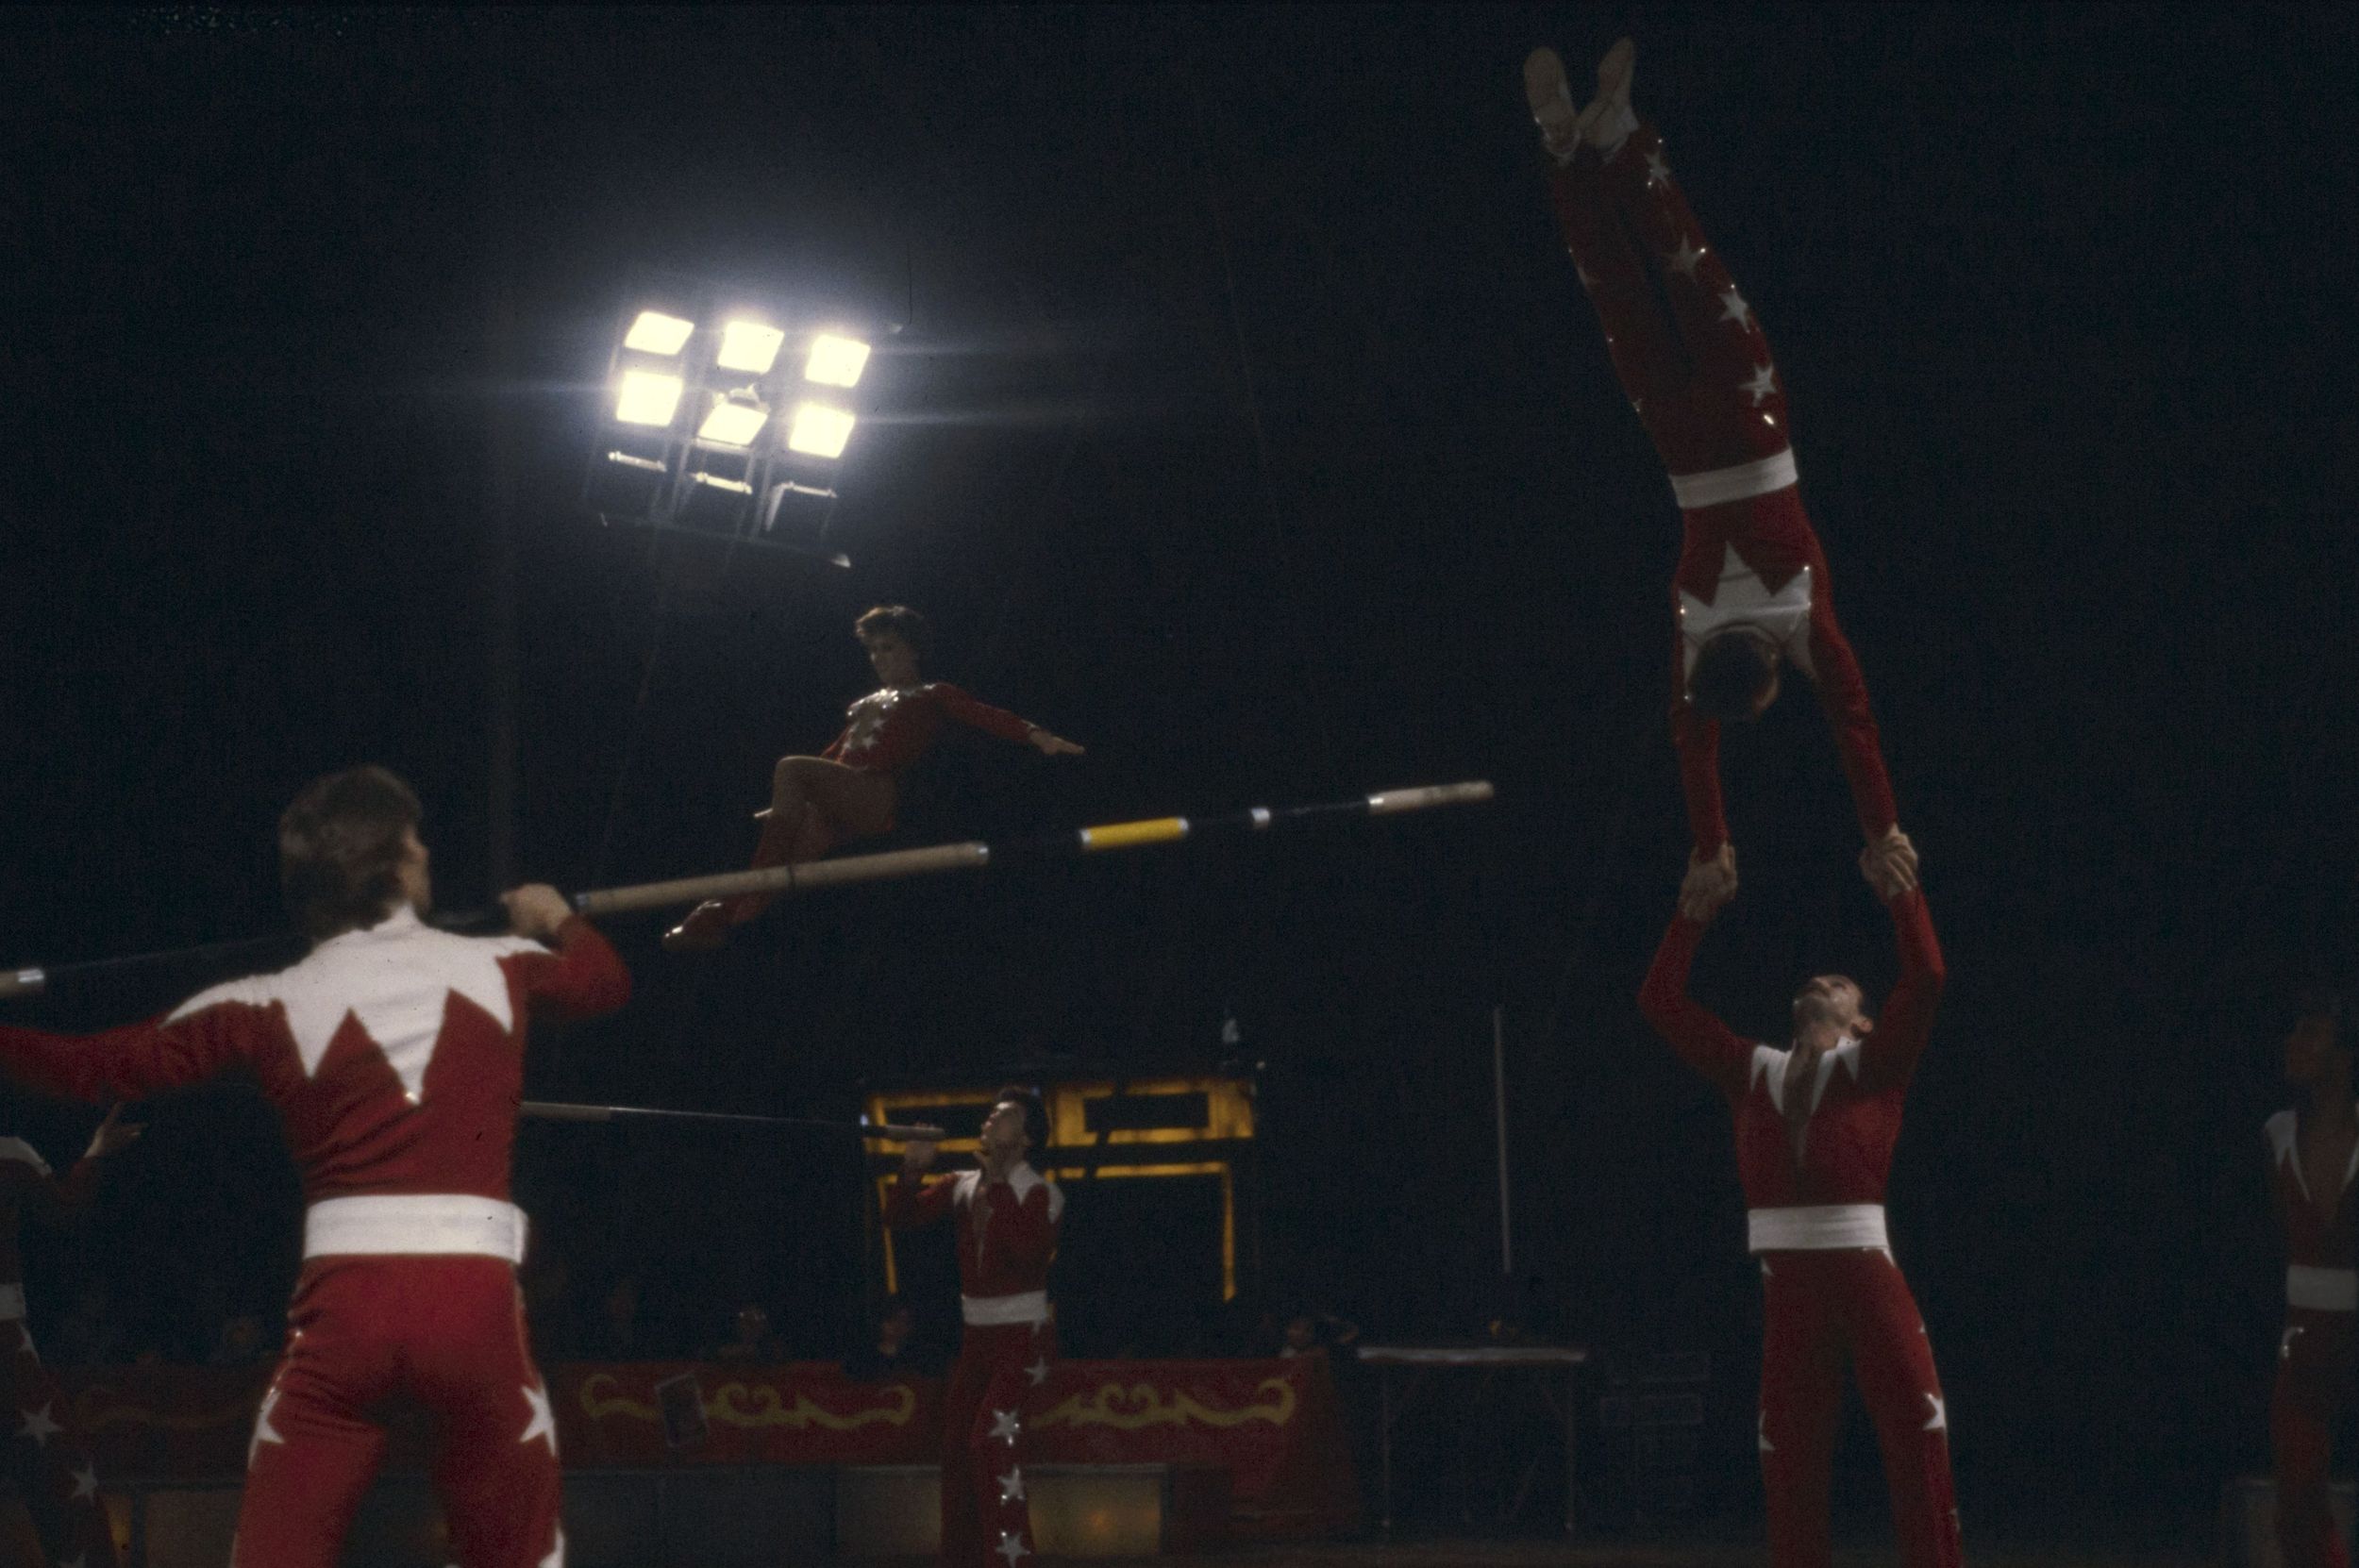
(263, 1430)
(1684, 261)
(1011, 1485)
(85, 1483)
(1004, 1426)
(1765, 382)
(556, 1553)
(1038, 1372)
(1939, 1420)
(38, 1425)
(542, 1425)
(1733, 308)
(1011, 1547)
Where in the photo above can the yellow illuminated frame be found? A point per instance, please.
(1229, 1118)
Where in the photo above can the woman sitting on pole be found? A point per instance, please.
(850, 789)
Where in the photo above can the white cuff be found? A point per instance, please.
(993, 1312)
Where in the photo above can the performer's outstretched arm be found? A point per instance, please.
(977, 714)
(913, 1201)
(1692, 1029)
(1890, 1053)
(583, 977)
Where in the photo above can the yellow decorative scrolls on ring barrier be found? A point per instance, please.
(736, 1405)
(1141, 1405)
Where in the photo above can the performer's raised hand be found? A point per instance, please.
(1709, 884)
(917, 1155)
(114, 1134)
(1890, 864)
(536, 910)
(1052, 745)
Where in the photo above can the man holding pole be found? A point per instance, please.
(394, 1055)
(1008, 1214)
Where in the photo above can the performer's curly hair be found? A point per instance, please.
(899, 619)
(1732, 669)
(1035, 1116)
(340, 848)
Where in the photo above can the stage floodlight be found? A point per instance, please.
(656, 333)
(733, 424)
(648, 397)
(836, 361)
(749, 346)
(819, 431)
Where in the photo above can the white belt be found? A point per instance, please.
(1741, 483)
(11, 1303)
(1827, 1228)
(426, 1222)
(992, 1311)
(2322, 1289)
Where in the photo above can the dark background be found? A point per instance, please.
(1248, 426)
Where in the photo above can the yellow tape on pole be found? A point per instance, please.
(1123, 835)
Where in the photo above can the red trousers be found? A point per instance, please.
(986, 1521)
(1693, 359)
(2313, 1387)
(1822, 1308)
(52, 1470)
(446, 1332)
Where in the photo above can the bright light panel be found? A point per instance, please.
(819, 431)
(656, 333)
(732, 424)
(647, 398)
(749, 346)
(836, 361)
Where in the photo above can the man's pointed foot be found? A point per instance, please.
(1609, 119)
(706, 928)
(1551, 103)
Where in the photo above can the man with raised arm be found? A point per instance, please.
(1007, 1215)
(1816, 1124)
(1751, 590)
(395, 1054)
(2314, 1154)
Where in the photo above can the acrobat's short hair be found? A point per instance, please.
(1035, 1114)
(340, 848)
(1732, 669)
(899, 619)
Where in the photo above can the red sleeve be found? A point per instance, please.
(1697, 739)
(980, 715)
(1693, 1030)
(914, 1201)
(141, 1059)
(1022, 1234)
(583, 978)
(1842, 693)
(1890, 1053)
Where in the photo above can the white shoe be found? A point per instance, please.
(1552, 104)
(1609, 120)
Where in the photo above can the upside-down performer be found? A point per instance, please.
(1751, 588)
(54, 1475)
(2313, 1153)
(1008, 1214)
(394, 1055)
(851, 789)
(1816, 1123)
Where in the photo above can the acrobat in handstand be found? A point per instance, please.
(851, 789)
(1751, 588)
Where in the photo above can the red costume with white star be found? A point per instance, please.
(2315, 1359)
(889, 729)
(1813, 1191)
(52, 1470)
(1695, 365)
(1007, 1235)
(395, 1058)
